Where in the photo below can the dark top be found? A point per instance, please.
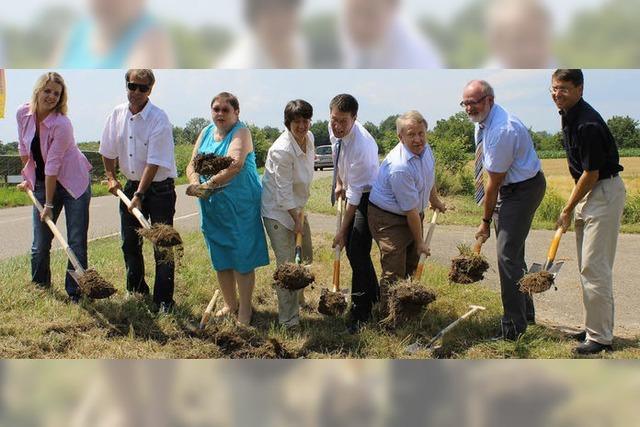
(37, 157)
(588, 142)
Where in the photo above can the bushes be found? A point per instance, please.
(551, 206)
(631, 213)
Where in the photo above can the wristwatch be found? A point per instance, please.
(487, 221)
(139, 195)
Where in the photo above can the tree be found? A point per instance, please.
(388, 124)
(545, 141)
(193, 128)
(373, 130)
(320, 131)
(625, 131)
(457, 126)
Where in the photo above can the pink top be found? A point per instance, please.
(61, 155)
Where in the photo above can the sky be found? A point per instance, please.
(263, 94)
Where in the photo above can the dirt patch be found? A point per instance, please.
(292, 276)
(210, 164)
(331, 303)
(534, 283)
(94, 286)
(404, 300)
(468, 267)
(243, 343)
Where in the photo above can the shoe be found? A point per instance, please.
(165, 308)
(509, 336)
(592, 347)
(74, 299)
(354, 327)
(580, 336)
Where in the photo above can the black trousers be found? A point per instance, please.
(517, 204)
(159, 204)
(364, 282)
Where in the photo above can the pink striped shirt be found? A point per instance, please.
(61, 155)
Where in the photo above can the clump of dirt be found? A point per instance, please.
(404, 300)
(292, 276)
(534, 283)
(210, 164)
(162, 235)
(468, 267)
(94, 286)
(331, 303)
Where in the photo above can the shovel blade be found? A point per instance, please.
(75, 275)
(413, 348)
(535, 268)
(555, 269)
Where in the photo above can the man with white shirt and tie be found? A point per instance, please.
(513, 191)
(140, 137)
(355, 156)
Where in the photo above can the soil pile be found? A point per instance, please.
(292, 276)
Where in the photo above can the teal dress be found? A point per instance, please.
(230, 218)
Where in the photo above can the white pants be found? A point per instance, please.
(597, 224)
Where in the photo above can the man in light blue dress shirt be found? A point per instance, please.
(510, 194)
(404, 187)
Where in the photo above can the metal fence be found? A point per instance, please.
(10, 166)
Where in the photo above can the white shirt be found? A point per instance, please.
(288, 172)
(358, 162)
(405, 180)
(247, 53)
(137, 140)
(403, 46)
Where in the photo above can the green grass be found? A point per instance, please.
(40, 324)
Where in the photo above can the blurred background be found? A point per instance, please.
(320, 34)
(318, 393)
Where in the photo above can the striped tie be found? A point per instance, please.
(479, 179)
(335, 173)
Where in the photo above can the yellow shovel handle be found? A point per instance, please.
(553, 249)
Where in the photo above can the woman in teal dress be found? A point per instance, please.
(230, 216)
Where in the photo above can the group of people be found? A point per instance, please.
(385, 202)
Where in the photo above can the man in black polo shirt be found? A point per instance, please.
(596, 202)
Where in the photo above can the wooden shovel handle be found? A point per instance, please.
(207, 312)
(553, 248)
(338, 249)
(136, 211)
(427, 243)
(477, 245)
(56, 232)
(298, 249)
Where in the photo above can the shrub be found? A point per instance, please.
(551, 206)
(631, 213)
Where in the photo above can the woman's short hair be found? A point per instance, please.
(61, 106)
(296, 109)
(412, 116)
(227, 97)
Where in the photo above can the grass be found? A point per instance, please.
(40, 324)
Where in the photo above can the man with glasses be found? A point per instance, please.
(139, 135)
(513, 190)
(596, 202)
(355, 156)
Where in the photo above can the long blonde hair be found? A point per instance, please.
(61, 106)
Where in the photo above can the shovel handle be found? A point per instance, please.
(427, 243)
(136, 211)
(207, 312)
(298, 250)
(553, 249)
(477, 245)
(338, 249)
(56, 232)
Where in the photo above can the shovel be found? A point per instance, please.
(172, 238)
(207, 312)
(78, 271)
(415, 347)
(427, 242)
(550, 266)
(136, 211)
(478, 245)
(338, 249)
(298, 251)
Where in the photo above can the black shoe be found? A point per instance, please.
(74, 299)
(580, 336)
(507, 336)
(354, 327)
(166, 308)
(592, 347)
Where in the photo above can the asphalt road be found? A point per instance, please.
(562, 307)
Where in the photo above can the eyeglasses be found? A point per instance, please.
(141, 88)
(470, 102)
(560, 90)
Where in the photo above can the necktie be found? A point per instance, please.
(479, 179)
(335, 173)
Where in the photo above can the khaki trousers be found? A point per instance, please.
(283, 243)
(597, 224)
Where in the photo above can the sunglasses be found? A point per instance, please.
(141, 88)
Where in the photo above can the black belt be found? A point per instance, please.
(516, 184)
(166, 181)
(612, 175)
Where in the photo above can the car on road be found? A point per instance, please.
(323, 158)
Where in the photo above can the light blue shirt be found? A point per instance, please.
(404, 180)
(508, 147)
